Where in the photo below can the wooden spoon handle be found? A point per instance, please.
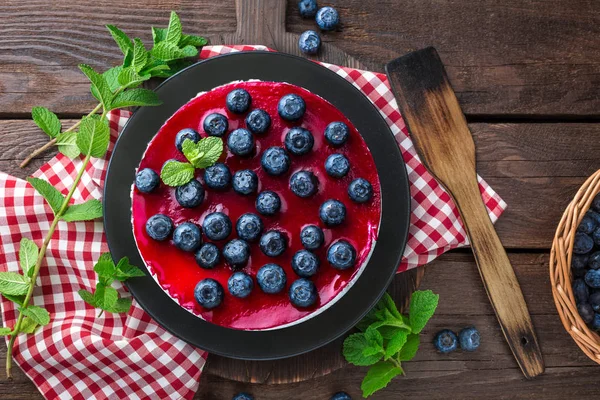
(499, 279)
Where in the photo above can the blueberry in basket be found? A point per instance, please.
(275, 161)
(208, 256)
(217, 176)
(147, 180)
(215, 124)
(184, 134)
(238, 101)
(245, 182)
(258, 121)
(271, 278)
(190, 195)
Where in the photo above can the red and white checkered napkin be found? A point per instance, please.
(81, 356)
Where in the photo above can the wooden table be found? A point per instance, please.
(527, 74)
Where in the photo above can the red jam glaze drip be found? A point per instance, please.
(177, 272)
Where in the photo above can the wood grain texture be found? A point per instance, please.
(510, 58)
(442, 138)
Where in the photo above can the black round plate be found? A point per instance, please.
(393, 231)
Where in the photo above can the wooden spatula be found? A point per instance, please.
(439, 131)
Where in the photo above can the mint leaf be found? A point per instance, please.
(93, 136)
(121, 38)
(191, 40)
(126, 270)
(167, 51)
(204, 153)
(87, 211)
(128, 58)
(174, 29)
(12, 283)
(112, 77)
(158, 35)
(353, 350)
(6, 331)
(28, 325)
(128, 77)
(105, 267)
(395, 344)
(15, 299)
(136, 97)
(87, 297)
(46, 120)
(67, 144)
(39, 315)
(99, 85)
(379, 376)
(422, 306)
(28, 255)
(121, 306)
(409, 350)
(189, 51)
(140, 55)
(390, 305)
(374, 338)
(388, 332)
(154, 66)
(105, 297)
(176, 173)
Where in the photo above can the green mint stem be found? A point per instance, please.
(42, 254)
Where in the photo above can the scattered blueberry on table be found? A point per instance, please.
(241, 142)
(208, 256)
(147, 180)
(190, 195)
(217, 176)
(242, 396)
(273, 243)
(337, 133)
(303, 184)
(299, 141)
(312, 237)
(258, 121)
(309, 42)
(341, 255)
(240, 284)
(245, 182)
(187, 237)
(216, 226)
(249, 227)
(215, 124)
(469, 338)
(307, 8)
(159, 227)
(337, 166)
(271, 278)
(208, 293)
(341, 396)
(327, 18)
(238, 101)
(445, 341)
(268, 203)
(291, 107)
(303, 293)
(236, 253)
(332, 212)
(275, 161)
(305, 263)
(184, 134)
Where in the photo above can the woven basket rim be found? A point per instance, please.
(560, 268)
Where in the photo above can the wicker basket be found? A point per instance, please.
(560, 269)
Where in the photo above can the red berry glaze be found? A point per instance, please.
(177, 272)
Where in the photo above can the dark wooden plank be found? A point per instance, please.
(530, 59)
(536, 168)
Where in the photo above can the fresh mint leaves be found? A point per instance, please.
(46, 120)
(93, 137)
(388, 338)
(199, 155)
(105, 297)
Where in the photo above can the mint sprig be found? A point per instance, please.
(199, 155)
(388, 338)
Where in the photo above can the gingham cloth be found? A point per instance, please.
(82, 356)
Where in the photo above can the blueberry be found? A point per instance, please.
(312, 237)
(593, 215)
(307, 8)
(236, 253)
(586, 312)
(146, 180)
(238, 101)
(596, 322)
(208, 293)
(594, 300)
(579, 265)
(332, 212)
(337, 133)
(303, 184)
(596, 203)
(305, 263)
(445, 341)
(580, 291)
(291, 107)
(327, 18)
(273, 243)
(303, 293)
(217, 176)
(341, 396)
(275, 161)
(258, 121)
(241, 142)
(268, 203)
(337, 166)
(216, 226)
(592, 278)
(360, 190)
(587, 225)
(215, 124)
(240, 284)
(249, 227)
(242, 396)
(309, 42)
(245, 182)
(596, 237)
(583, 243)
(299, 141)
(184, 134)
(159, 227)
(469, 338)
(271, 278)
(187, 237)
(190, 195)
(341, 255)
(208, 256)
(593, 260)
